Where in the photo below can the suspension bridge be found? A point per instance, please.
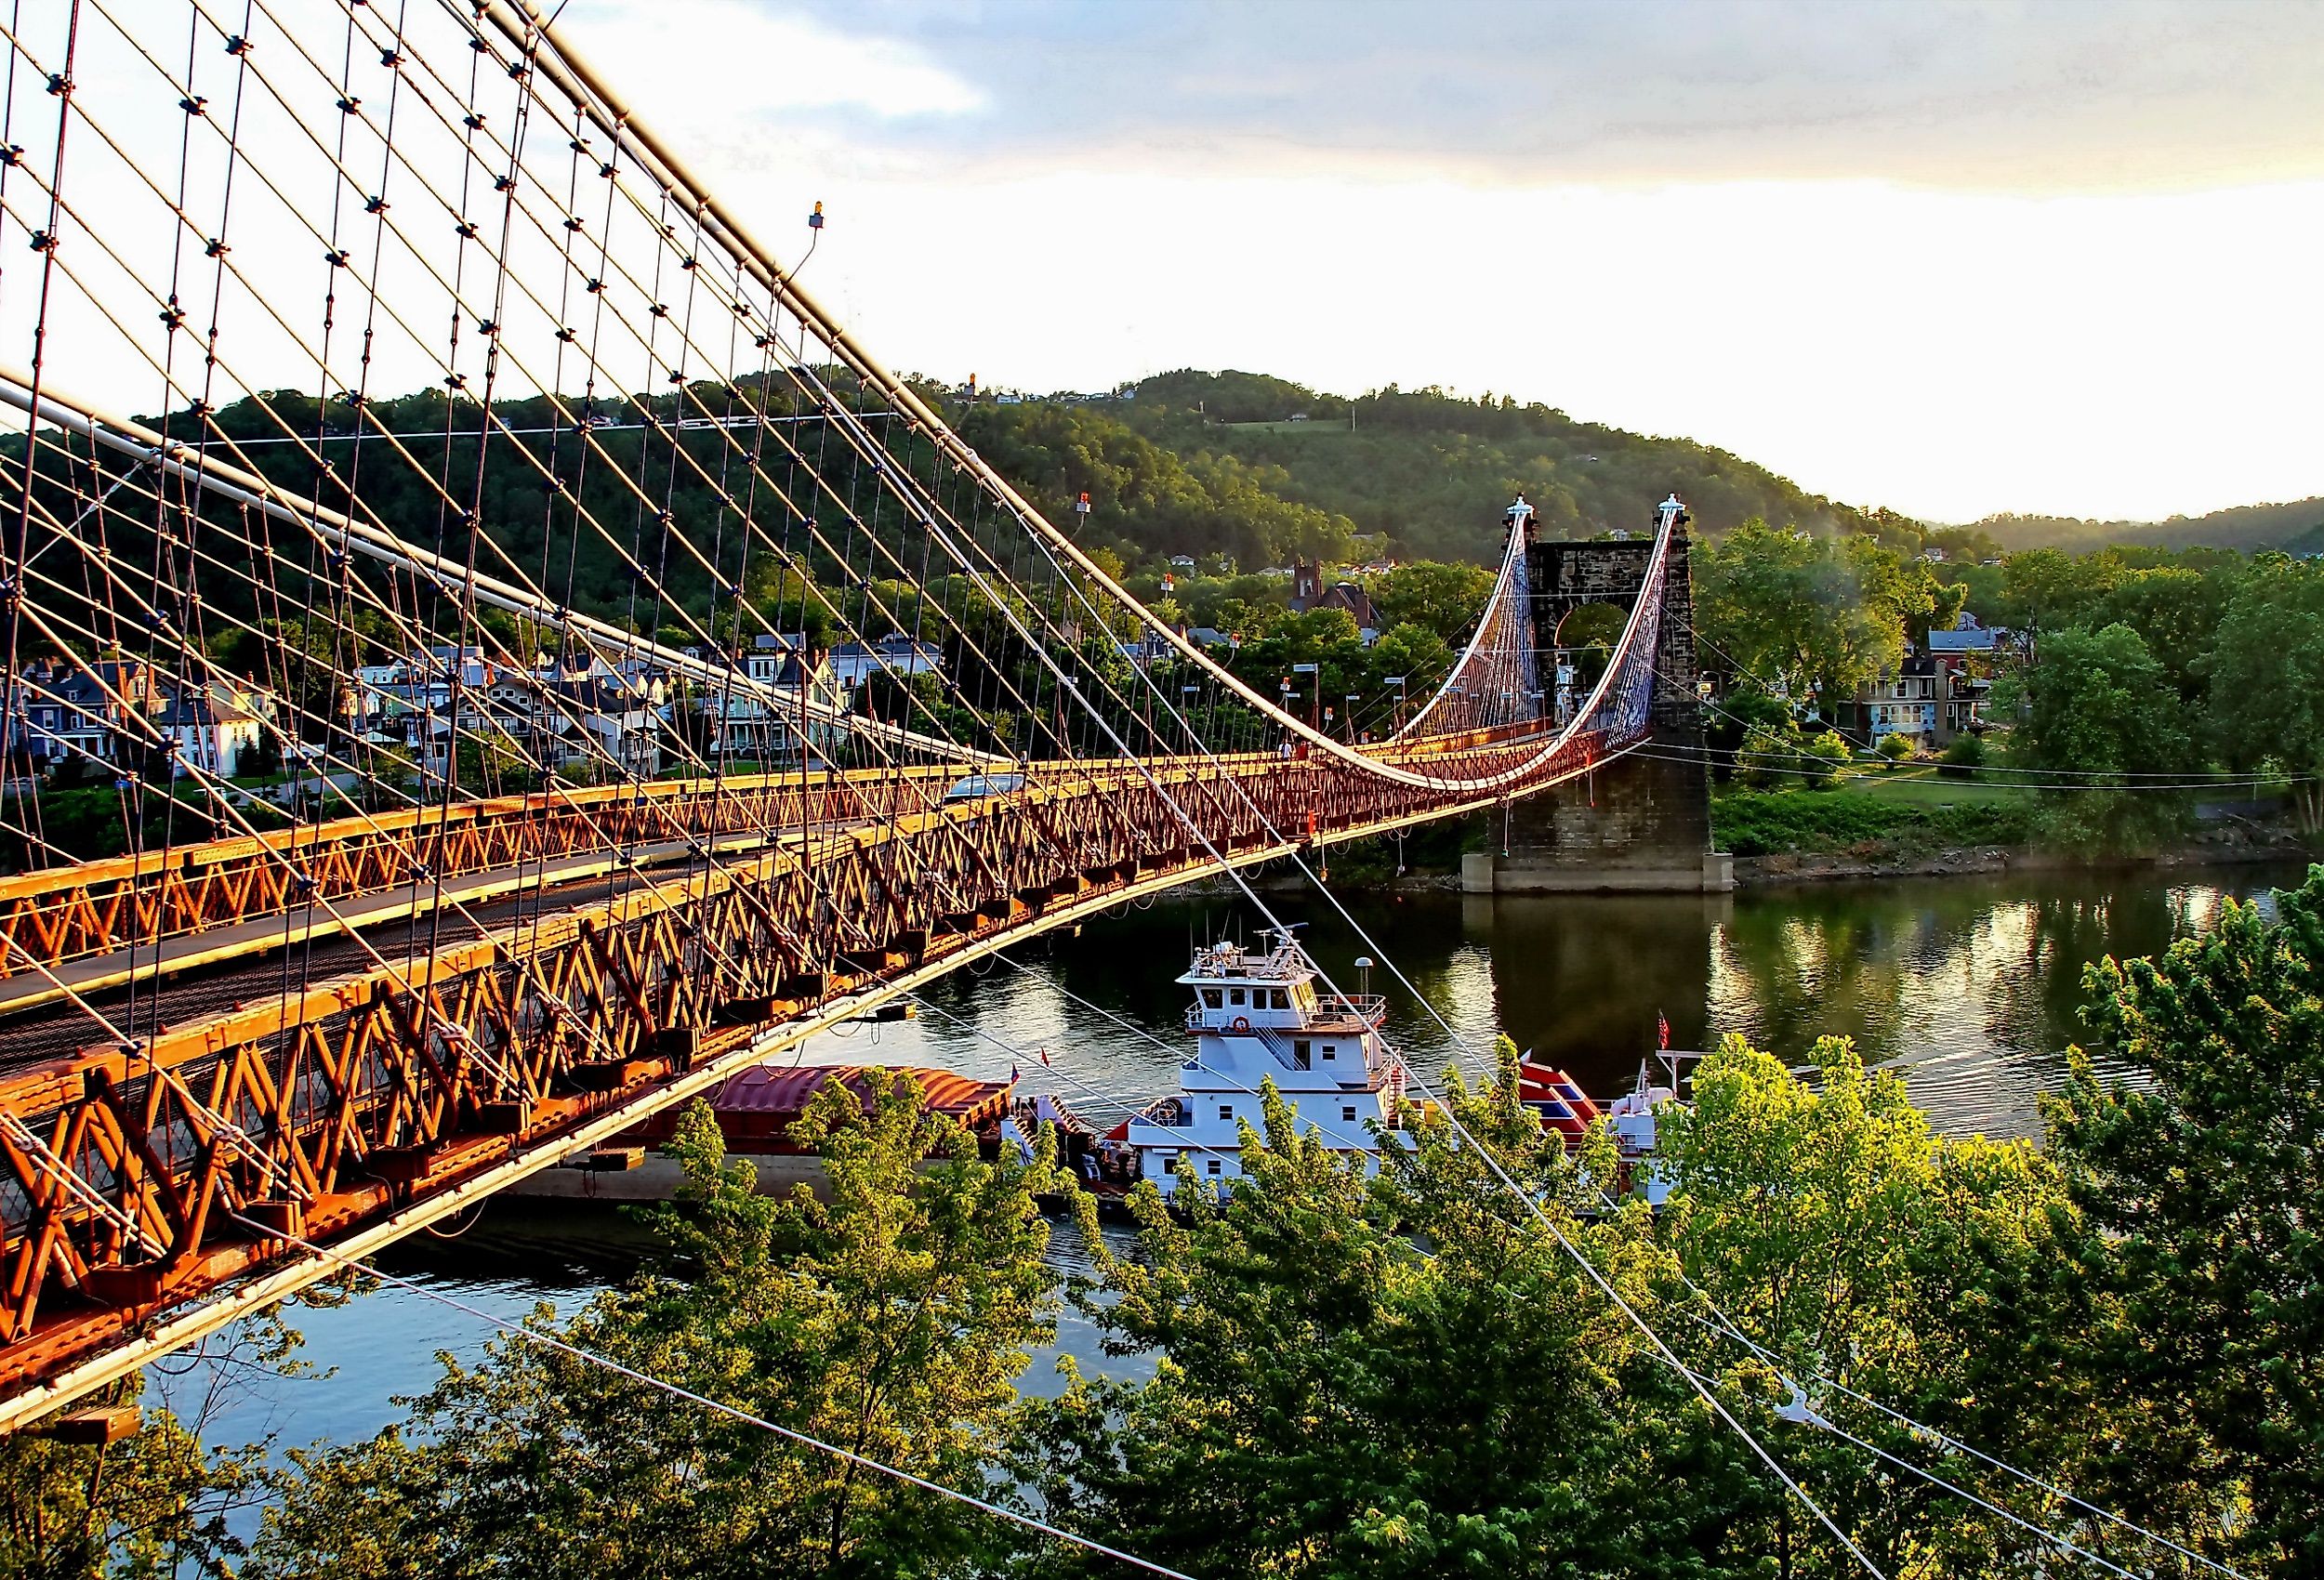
(565, 827)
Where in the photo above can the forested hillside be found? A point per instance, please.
(2298, 526)
(1429, 472)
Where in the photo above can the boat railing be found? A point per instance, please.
(1370, 1007)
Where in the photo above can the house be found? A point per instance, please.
(894, 654)
(1149, 649)
(607, 721)
(1962, 655)
(1209, 637)
(67, 712)
(215, 728)
(1903, 701)
(1181, 563)
(1307, 592)
(1934, 695)
(793, 690)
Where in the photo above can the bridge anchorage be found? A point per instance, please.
(475, 774)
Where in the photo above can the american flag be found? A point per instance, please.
(1662, 1030)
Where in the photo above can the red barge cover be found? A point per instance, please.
(755, 1108)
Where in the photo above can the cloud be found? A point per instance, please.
(720, 58)
(2005, 95)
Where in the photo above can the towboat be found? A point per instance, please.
(1256, 1016)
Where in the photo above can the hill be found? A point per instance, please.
(2249, 528)
(1430, 472)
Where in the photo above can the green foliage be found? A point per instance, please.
(155, 1503)
(2204, 1177)
(1822, 758)
(1964, 755)
(1831, 1224)
(2251, 528)
(1443, 600)
(157, 1507)
(1769, 755)
(1146, 498)
(1762, 823)
(2267, 670)
(1808, 614)
(2098, 703)
(1431, 471)
(1894, 749)
(891, 1320)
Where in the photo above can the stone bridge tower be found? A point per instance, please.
(1642, 822)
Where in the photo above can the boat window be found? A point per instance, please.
(1330, 1052)
(1212, 998)
(1279, 999)
(1346, 1110)
(1299, 1053)
(1214, 1165)
(1227, 1110)
(1234, 996)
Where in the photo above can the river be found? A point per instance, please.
(1970, 985)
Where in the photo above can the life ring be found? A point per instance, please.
(1242, 1022)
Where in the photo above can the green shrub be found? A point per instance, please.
(1768, 758)
(1894, 749)
(1963, 756)
(1822, 758)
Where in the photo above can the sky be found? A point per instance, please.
(1954, 258)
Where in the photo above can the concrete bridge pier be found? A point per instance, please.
(1642, 822)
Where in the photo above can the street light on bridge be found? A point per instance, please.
(1314, 695)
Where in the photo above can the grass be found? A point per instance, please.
(1921, 785)
(1872, 815)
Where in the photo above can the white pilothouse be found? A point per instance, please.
(1257, 1017)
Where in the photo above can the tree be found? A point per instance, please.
(891, 1321)
(1832, 1227)
(155, 1503)
(2204, 1177)
(2097, 704)
(2047, 590)
(1822, 758)
(2176, 611)
(1445, 598)
(1804, 615)
(2266, 668)
(1769, 757)
(1965, 754)
(1894, 749)
(1392, 1377)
